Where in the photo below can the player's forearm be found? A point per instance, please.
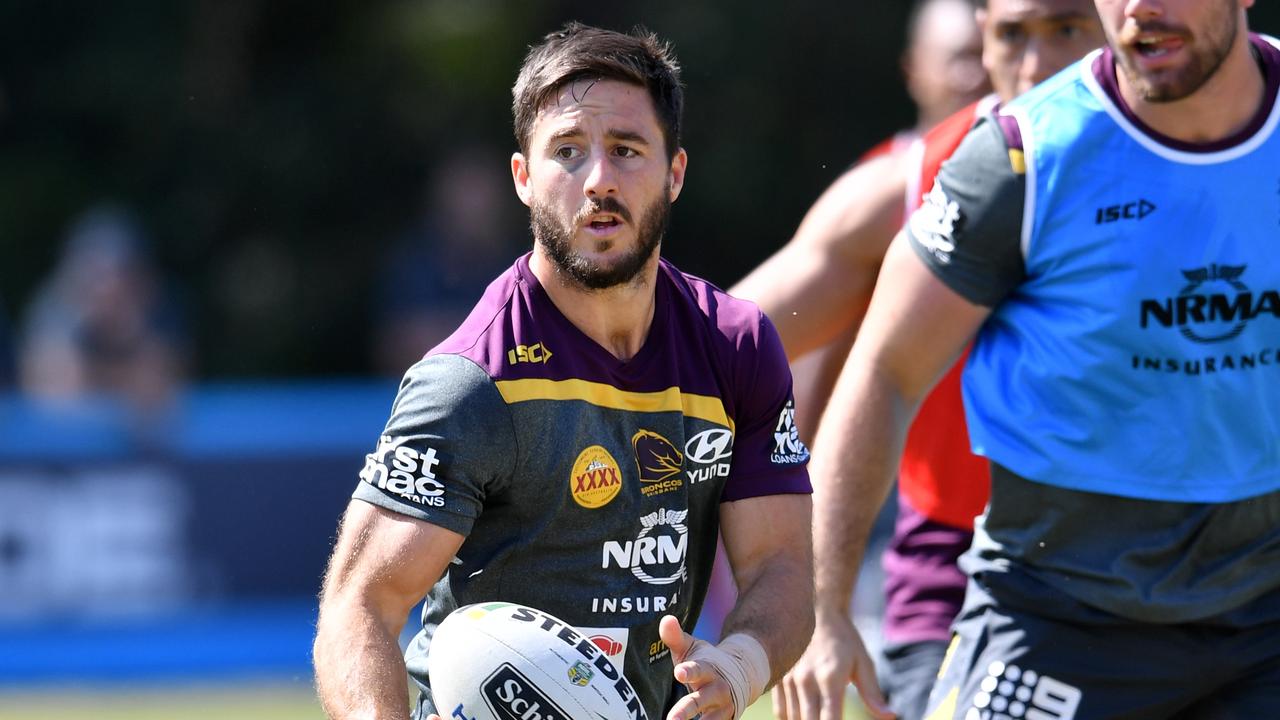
(775, 606)
(360, 673)
(858, 446)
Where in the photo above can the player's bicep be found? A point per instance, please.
(916, 325)
(387, 560)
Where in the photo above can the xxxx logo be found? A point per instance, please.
(595, 479)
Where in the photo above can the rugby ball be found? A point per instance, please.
(502, 661)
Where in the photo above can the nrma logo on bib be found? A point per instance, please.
(707, 455)
(411, 473)
(1215, 305)
(657, 554)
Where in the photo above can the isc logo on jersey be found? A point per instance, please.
(708, 454)
(411, 473)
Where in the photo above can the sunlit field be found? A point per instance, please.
(257, 702)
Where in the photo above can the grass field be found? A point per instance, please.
(258, 702)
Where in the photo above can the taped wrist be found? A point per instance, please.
(743, 664)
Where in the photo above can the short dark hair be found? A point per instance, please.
(579, 51)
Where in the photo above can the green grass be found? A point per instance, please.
(250, 702)
(257, 702)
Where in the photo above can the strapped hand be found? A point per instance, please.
(723, 679)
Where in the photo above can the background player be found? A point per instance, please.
(942, 70)
(1096, 237)
(838, 250)
(581, 440)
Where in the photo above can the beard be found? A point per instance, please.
(1206, 53)
(557, 238)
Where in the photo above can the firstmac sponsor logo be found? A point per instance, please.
(708, 455)
(397, 468)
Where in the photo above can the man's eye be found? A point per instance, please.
(626, 152)
(1010, 34)
(566, 152)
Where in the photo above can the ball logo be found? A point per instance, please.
(658, 462)
(607, 645)
(580, 674)
(512, 696)
(596, 478)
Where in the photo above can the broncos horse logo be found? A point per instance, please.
(656, 458)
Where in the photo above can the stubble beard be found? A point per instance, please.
(1206, 57)
(556, 237)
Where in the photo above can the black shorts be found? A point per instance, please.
(1015, 657)
(906, 672)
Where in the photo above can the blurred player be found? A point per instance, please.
(579, 443)
(942, 70)
(839, 248)
(1109, 237)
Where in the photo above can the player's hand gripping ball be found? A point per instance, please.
(501, 661)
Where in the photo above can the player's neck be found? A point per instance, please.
(1220, 108)
(617, 318)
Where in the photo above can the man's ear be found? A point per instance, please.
(678, 165)
(520, 177)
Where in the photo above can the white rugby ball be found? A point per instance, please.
(502, 661)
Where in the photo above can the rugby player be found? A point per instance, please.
(832, 263)
(1107, 242)
(581, 441)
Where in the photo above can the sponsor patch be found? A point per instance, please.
(657, 555)
(596, 478)
(408, 472)
(1012, 691)
(933, 224)
(787, 448)
(658, 461)
(708, 455)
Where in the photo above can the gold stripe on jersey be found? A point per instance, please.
(703, 407)
(1018, 161)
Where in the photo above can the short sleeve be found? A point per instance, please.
(968, 230)
(768, 456)
(448, 443)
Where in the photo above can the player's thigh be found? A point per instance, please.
(1253, 693)
(1004, 664)
(907, 672)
